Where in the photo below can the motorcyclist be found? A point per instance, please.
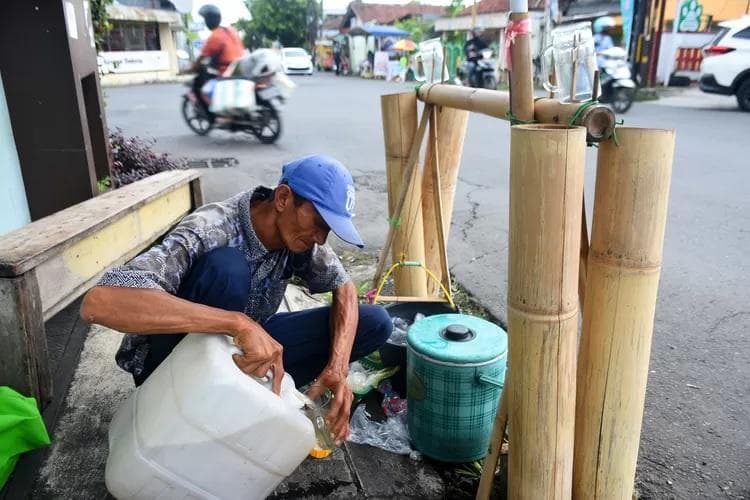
(603, 27)
(473, 52)
(221, 48)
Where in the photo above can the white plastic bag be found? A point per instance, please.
(284, 84)
(261, 62)
(232, 96)
(391, 435)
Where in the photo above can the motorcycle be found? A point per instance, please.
(617, 85)
(480, 74)
(263, 121)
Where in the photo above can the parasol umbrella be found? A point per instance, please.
(405, 44)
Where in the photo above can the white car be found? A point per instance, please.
(296, 61)
(726, 62)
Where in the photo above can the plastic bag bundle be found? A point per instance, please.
(261, 62)
(391, 435)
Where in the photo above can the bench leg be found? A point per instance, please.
(24, 362)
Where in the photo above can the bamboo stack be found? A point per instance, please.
(399, 129)
(546, 191)
(451, 131)
(624, 261)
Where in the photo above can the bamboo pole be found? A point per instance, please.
(451, 131)
(411, 164)
(584, 258)
(598, 119)
(546, 192)
(521, 74)
(630, 210)
(437, 205)
(402, 141)
(496, 444)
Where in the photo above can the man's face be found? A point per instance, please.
(300, 225)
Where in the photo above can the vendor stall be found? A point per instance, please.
(363, 39)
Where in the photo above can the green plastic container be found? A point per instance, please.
(455, 374)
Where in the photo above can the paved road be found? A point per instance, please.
(696, 440)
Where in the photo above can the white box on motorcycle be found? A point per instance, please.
(230, 96)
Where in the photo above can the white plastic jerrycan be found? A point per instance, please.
(200, 428)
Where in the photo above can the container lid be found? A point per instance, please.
(458, 338)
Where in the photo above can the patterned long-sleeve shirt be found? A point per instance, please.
(217, 225)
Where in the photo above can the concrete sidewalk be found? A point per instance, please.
(694, 98)
(78, 420)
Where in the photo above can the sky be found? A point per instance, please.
(339, 6)
(232, 10)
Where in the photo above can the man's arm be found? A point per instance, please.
(139, 297)
(153, 311)
(344, 319)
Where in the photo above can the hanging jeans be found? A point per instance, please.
(220, 278)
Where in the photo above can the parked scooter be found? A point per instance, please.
(617, 84)
(262, 120)
(480, 74)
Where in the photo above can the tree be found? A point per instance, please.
(418, 28)
(282, 20)
(100, 20)
(455, 7)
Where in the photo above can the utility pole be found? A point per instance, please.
(656, 30)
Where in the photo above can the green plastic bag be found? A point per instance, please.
(21, 429)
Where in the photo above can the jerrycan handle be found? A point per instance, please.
(546, 70)
(487, 379)
(264, 380)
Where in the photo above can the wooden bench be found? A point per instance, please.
(46, 265)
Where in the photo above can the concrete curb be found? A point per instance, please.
(144, 81)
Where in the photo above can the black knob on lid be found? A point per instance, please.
(458, 333)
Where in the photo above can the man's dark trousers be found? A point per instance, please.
(220, 279)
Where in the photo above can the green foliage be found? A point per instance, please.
(418, 28)
(284, 20)
(104, 185)
(455, 7)
(100, 20)
(471, 469)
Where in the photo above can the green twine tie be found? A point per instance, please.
(514, 120)
(579, 112)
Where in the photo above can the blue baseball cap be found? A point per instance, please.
(328, 185)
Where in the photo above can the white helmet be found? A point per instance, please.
(602, 23)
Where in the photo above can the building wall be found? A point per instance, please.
(166, 40)
(14, 210)
(721, 10)
(121, 67)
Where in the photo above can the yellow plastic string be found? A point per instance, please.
(403, 263)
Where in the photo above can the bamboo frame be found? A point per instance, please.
(404, 298)
(437, 199)
(598, 119)
(584, 256)
(547, 163)
(496, 444)
(449, 135)
(624, 262)
(405, 238)
(521, 75)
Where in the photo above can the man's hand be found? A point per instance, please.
(260, 352)
(341, 405)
